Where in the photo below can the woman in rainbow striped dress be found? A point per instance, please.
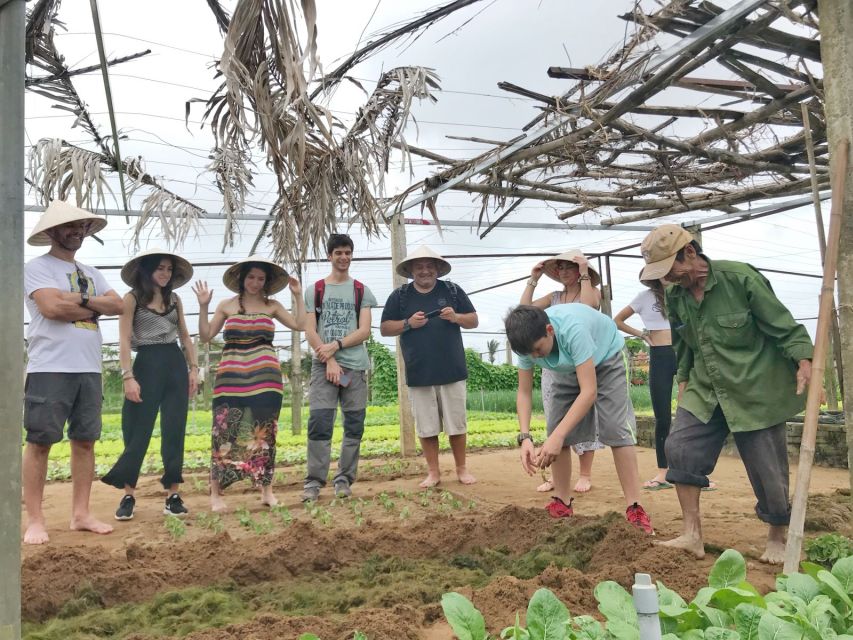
(248, 387)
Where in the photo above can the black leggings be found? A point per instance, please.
(161, 371)
(662, 368)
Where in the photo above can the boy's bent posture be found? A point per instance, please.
(584, 349)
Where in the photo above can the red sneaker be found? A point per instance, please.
(559, 509)
(638, 517)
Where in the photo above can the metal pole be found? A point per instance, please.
(407, 420)
(99, 38)
(12, 28)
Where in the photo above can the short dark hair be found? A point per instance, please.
(337, 240)
(525, 324)
(696, 246)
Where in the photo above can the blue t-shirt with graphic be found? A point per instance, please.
(581, 333)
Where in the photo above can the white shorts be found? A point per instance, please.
(440, 408)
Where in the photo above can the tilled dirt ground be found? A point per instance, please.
(496, 529)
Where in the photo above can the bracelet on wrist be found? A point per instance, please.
(532, 283)
(340, 344)
(128, 377)
(584, 277)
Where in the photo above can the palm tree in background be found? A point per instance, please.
(492, 346)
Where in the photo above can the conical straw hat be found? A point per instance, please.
(278, 276)
(550, 266)
(182, 273)
(405, 267)
(59, 212)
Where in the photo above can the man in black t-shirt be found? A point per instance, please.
(427, 314)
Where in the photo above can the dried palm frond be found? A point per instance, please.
(323, 171)
(177, 216)
(58, 170)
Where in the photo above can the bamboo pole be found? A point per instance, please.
(807, 446)
(835, 350)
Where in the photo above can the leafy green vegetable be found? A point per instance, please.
(463, 617)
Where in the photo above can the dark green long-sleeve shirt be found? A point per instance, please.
(738, 348)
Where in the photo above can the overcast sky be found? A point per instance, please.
(493, 41)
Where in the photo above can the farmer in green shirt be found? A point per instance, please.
(743, 364)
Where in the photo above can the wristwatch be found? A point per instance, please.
(521, 437)
(84, 298)
(406, 325)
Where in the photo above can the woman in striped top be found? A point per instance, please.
(248, 387)
(162, 377)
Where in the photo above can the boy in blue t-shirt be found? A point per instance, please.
(584, 349)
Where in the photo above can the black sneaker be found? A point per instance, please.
(175, 506)
(125, 508)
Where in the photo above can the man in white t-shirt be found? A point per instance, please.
(64, 300)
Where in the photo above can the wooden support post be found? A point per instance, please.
(508, 353)
(836, 47)
(807, 445)
(12, 29)
(835, 342)
(407, 420)
(296, 390)
(606, 288)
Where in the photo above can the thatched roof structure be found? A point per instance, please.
(622, 143)
(604, 147)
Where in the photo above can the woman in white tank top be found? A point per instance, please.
(650, 305)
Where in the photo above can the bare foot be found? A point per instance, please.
(545, 487)
(430, 481)
(465, 476)
(774, 553)
(36, 534)
(217, 504)
(583, 485)
(267, 497)
(90, 523)
(688, 543)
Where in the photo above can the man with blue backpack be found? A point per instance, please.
(428, 314)
(336, 327)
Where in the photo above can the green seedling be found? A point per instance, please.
(211, 521)
(283, 514)
(244, 517)
(263, 525)
(176, 527)
(405, 514)
(200, 485)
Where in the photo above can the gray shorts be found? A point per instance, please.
(52, 399)
(693, 447)
(612, 415)
(322, 394)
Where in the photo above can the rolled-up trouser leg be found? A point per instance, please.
(693, 447)
(320, 425)
(765, 455)
(351, 446)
